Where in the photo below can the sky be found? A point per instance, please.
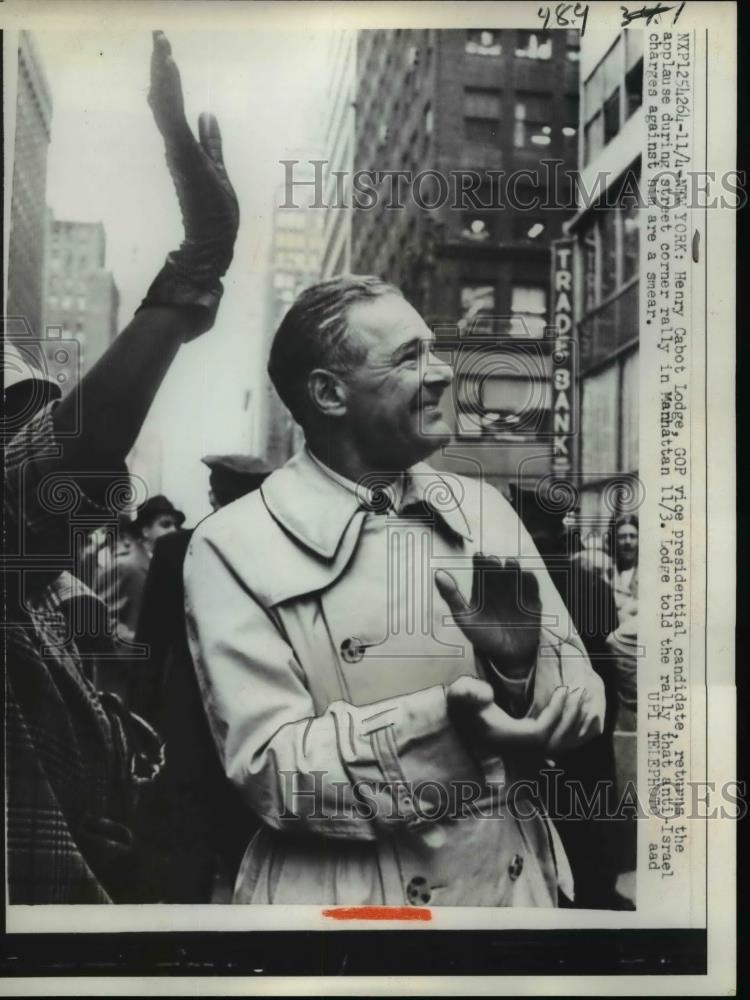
(106, 163)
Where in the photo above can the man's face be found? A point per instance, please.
(124, 544)
(394, 394)
(161, 525)
(627, 544)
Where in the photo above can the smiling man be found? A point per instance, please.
(380, 647)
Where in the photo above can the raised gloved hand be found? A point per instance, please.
(191, 276)
(503, 620)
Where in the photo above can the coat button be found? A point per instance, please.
(352, 650)
(515, 867)
(418, 892)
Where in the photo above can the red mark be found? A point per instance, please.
(379, 913)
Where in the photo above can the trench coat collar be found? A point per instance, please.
(317, 510)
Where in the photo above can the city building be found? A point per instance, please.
(28, 206)
(481, 120)
(81, 297)
(295, 263)
(340, 137)
(606, 264)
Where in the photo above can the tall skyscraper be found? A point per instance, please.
(81, 297)
(28, 206)
(472, 112)
(296, 249)
(340, 138)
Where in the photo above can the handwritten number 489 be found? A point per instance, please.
(566, 15)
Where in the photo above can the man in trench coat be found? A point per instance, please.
(380, 648)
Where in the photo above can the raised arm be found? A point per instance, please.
(112, 400)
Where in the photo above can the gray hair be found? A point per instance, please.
(315, 334)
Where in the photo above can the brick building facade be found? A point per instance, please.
(81, 297)
(28, 205)
(463, 112)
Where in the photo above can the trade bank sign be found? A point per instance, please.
(564, 394)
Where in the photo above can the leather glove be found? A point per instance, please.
(210, 211)
(503, 620)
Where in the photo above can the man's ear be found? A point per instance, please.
(327, 393)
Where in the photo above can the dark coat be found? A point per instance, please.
(194, 814)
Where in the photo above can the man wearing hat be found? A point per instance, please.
(122, 588)
(232, 476)
(194, 817)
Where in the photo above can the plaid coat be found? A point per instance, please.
(74, 757)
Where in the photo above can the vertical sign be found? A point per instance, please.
(563, 370)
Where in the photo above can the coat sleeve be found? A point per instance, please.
(348, 772)
(562, 657)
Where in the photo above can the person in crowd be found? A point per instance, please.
(623, 543)
(594, 845)
(121, 586)
(374, 639)
(75, 758)
(27, 388)
(623, 646)
(192, 816)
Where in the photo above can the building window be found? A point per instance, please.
(514, 407)
(482, 42)
(611, 116)
(590, 254)
(599, 405)
(477, 308)
(609, 256)
(428, 120)
(593, 136)
(482, 103)
(573, 45)
(531, 127)
(630, 428)
(481, 130)
(528, 305)
(482, 110)
(477, 227)
(630, 241)
(528, 228)
(534, 45)
(634, 88)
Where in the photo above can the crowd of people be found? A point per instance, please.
(282, 698)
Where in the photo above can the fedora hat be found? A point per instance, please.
(155, 507)
(242, 465)
(232, 476)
